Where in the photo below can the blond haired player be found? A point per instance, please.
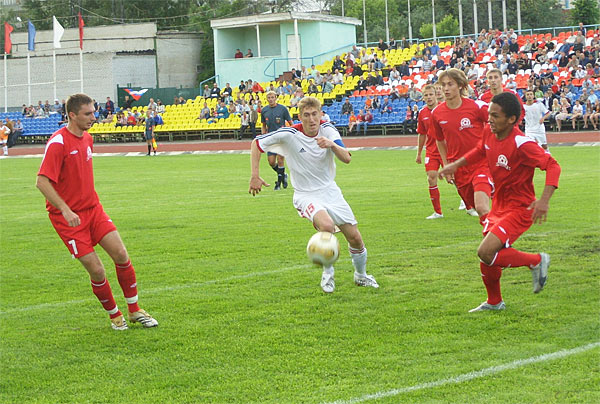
(310, 148)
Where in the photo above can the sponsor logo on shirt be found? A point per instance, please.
(486, 146)
(443, 122)
(89, 154)
(74, 152)
(302, 150)
(465, 123)
(502, 162)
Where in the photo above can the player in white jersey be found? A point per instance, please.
(535, 114)
(309, 149)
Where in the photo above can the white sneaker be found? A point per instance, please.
(472, 212)
(365, 280)
(327, 283)
(435, 216)
(462, 205)
(118, 323)
(143, 318)
(539, 273)
(486, 306)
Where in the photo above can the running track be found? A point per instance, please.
(555, 139)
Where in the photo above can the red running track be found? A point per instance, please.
(370, 141)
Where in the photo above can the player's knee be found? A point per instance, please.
(120, 255)
(485, 255)
(432, 180)
(326, 225)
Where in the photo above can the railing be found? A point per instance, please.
(216, 77)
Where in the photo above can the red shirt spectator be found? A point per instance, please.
(239, 54)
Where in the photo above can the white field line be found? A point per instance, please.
(471, 375)
(151, 291)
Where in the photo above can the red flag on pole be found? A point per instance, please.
(81, 25)
(7, 42)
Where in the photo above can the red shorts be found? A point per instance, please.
(468, 181)
(508, 225)
(80, 240)
(432, 163)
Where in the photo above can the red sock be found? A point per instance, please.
(491, 279)
(434, 194)
(509, 257)
(104, 294)
(126, 277)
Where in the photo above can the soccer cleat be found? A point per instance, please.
(539, 273)
(486, 306)
(435, 216)
(118, 323)
(285, 182)
(327, 283)
(277, 187)
(142, 317)
(462, 205)
(472, 212)
(365, 280)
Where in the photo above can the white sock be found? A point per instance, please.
(5, 150)
(328, 270)
(359, 259)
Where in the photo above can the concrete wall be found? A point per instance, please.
(112, 55)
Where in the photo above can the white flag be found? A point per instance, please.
(58, 32)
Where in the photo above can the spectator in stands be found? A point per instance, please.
(414, 94)
(152, 105)
(587, 84)
(206, 93)
(215, 92)
(363, 119)
(563, 113)
(394, 74)
(296, 75)
(24, 109)
(109, 118)
(160, 108)
(249, 54)
(403, 43)
(434, 49)
(392, 44)
(121, 119)
(378, 63)
(362, 84)
(232, 108)
(131, 119)
(512, 66)
(595, 116)
(47, 108)
(386, 106)
(181, 100)
(337, 78)
(338, 63)
(589, 110)
(347, 108)
(404, 69)
(382, 45)
(351, 122)
(327, 86)
(55, 108)
(511, 84)
(227, 90)
(238, 54)
(222, 111)
(325, 117)
(109, 107)
(40, 112)
(577, 113)
(298, 95)
(412, 116)
(378, 79)
(176, 100)
(427, 64)
(312, 87)
(242, 87)
(584, 96)
(395, 94)
(257, 88)
(15, 133)
(204, 112)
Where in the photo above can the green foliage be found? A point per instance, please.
(242, 317)
(585, 11)
(447, 27)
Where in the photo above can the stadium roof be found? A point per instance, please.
(279, 17)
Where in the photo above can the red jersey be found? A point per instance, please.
(460, 127)
(423, 124)
(487, 98)
(512, 162)
(67, 163)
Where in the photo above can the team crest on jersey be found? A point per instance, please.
(502, 162)
(465, 123)
(89, 153)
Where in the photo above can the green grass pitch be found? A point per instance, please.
(243, 319)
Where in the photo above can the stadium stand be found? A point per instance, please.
(535, 64)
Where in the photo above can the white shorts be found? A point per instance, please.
(330, 199)
(539, 137)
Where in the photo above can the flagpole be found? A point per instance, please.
(5, 86)
(54, 71)
(81, 69)
(28, 81)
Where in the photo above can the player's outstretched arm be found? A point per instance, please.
(340, 152)
(43, 184)
(256, 183)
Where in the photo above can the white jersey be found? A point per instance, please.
(312, 168)
(533, 114)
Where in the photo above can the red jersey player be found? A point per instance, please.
(494, 79)
(66, 179)
(433, 161)
(512, 158)
(456, 124)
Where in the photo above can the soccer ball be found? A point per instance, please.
(323, 248)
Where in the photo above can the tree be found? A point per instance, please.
(447, 27)
(585, 11)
